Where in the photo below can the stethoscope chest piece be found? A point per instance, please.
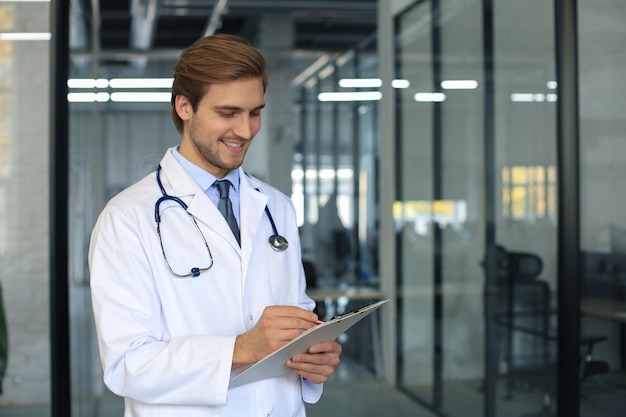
(278, 243)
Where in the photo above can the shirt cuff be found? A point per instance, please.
(311, 393)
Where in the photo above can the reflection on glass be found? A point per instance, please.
(528, 192)
(602, 194)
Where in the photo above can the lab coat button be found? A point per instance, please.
(251, 318)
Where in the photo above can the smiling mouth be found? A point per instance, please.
(233, 145)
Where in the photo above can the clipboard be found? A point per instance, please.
(273, 365)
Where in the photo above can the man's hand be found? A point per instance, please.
(277, 326)
(318, 363)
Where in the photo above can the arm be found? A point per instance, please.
(142, 358)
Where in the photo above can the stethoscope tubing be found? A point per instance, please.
(276, 241)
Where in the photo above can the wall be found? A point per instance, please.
(24, 201)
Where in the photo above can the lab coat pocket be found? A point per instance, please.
(284, 275)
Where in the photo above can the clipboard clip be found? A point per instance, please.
(349, 313)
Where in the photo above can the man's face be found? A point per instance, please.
(217, 136)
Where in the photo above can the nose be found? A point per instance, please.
(244, 127)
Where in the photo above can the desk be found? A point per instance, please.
(604, 308)
(608, 309)
(336, 300)
(352, 293)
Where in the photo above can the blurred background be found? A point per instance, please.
(461, 158)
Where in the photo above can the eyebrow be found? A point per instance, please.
(237, 108)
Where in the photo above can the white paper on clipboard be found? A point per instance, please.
(273, 365)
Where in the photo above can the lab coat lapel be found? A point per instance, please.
(251, 210)
(181, 185)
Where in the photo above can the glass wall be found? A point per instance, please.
(524, 189)
(24, 201)
(602, 191)
(413, 211)
(476, 208)
(476, 150)
(335, 190)
(334, 176)
(111, 146)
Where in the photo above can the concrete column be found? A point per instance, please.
(387, 253)
(270, 157)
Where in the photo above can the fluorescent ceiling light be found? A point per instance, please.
(522, 97)
(121, 83)
(310, 83)
(87, 97)
(371, 83)
(319, 63)
(400, 84)
(141, 82)
(87, 83)
(429, 97)
(329, 174)
(351, 96)
(136, 97)
(459, 84)
(533, 97)
(326, 72)
(344, 173)
(26, 36)
(297, 174)
(360, 82)
(551, 85)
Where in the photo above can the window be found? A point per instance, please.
(529, 192)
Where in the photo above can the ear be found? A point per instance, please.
(183, 107)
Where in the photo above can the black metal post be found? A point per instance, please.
(437, 195)
(568, 385)
(490, 294)
(59, 194)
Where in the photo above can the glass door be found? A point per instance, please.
(418, 330)
(602, 220)
(475, 178)
(524, 185)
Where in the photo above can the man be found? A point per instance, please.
(182, 302)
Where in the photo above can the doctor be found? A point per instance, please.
(179, 309)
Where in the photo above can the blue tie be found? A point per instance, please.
(226, 207)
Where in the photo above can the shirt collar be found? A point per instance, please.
(203, 178)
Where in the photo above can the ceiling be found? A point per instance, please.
(131, 34)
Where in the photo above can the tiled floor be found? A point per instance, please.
(353, 391)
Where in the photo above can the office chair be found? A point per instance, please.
(523, 305)
(524, 309)
(527, 309)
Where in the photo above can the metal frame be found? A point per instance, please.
(60, 384)
(568, 237)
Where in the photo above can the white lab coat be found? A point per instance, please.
(166, 343)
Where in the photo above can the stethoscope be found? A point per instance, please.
(276, 241)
